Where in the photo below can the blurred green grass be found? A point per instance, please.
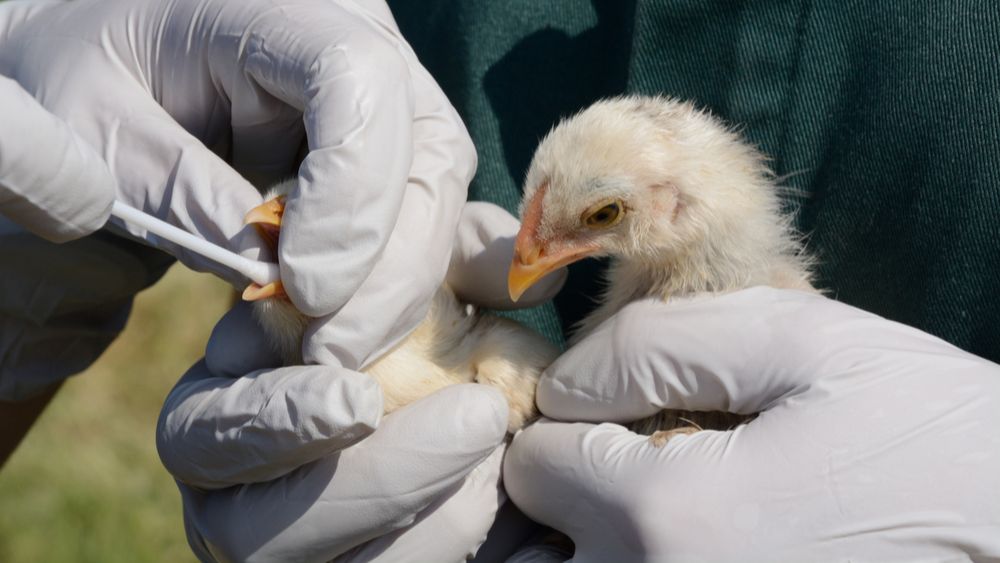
(86, 484)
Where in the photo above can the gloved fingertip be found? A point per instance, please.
(238, 346)
(555, 400)
(479, 411)
(528, 445)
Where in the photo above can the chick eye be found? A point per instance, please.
(604, 216)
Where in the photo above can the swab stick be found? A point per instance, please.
(261, 272)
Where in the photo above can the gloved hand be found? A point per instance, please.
(876, 442)
(57, 187)
(171, 93)
(51, 182)
(271, 463)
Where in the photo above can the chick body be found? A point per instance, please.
(453, 344)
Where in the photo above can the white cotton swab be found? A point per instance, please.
(262, 273)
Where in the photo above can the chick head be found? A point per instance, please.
(636, 178)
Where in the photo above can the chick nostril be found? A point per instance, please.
(528, 258)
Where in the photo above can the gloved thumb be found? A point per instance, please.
(51, 181)
(741, 352)
(484, 248)
(591, 483)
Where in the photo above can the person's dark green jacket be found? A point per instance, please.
(883, 117)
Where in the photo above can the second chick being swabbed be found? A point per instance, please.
(682, 205)
(450, 346)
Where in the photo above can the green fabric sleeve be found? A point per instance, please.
(882, 117)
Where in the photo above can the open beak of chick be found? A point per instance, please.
(534, 258)
(266, 219)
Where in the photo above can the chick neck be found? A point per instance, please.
(758, 248)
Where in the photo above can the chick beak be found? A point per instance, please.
(256, 292)
(532, 262)
(525, 269)
(266, 219)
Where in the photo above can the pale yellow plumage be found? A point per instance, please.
(452, 345)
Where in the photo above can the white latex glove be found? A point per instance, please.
(171, 92)
(279, 464)
(51, 182)
(877, 442)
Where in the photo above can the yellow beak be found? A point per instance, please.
(266, 218)
(531, 263)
